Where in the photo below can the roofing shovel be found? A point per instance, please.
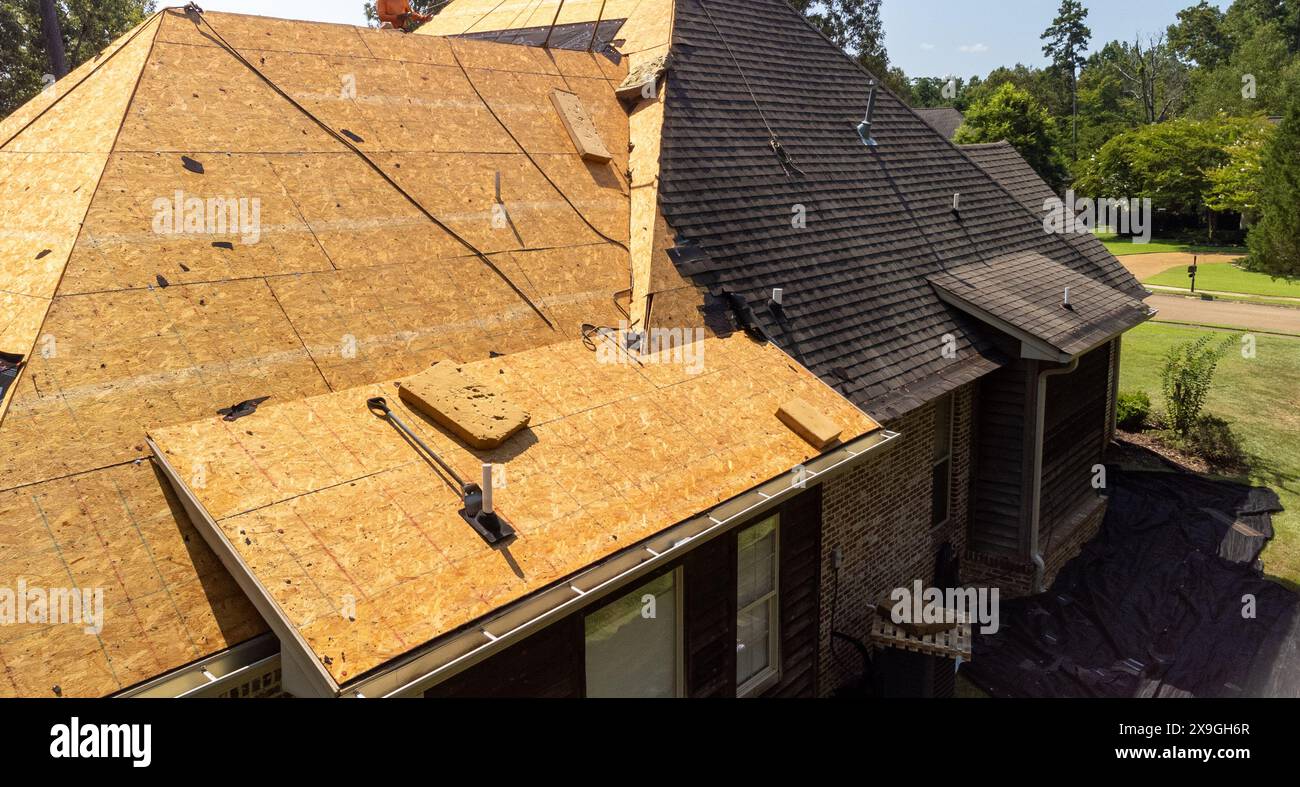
(494, 529)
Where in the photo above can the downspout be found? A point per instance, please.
(1036, 501)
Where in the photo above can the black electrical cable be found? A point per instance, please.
(782, 156)
(379, 170)
(530, 158)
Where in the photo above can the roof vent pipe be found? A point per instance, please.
(864, 128)
(1066, 300)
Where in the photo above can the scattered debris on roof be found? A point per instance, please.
(480, 416)
(320, 502)
(585, 136)
(809, 423)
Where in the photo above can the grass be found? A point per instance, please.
(1226, 277)
(1122, 248)
(1258, 397)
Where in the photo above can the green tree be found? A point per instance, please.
(1199, 36)
(1012, 114)
(1235, 186)
(1253, 78)
(1275, 240)
(1169, 163)
(86, 27)
(1067, 43)
(1153, 77)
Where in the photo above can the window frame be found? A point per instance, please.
(770, 675)
(679, 625)
(950, 402)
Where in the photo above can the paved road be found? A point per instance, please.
(1272, 319)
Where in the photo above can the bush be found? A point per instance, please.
(1186, 378)
(1132, 411)
(1212, 439)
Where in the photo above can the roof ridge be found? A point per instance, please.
(131, 36)
(156, 21)
(238, 56)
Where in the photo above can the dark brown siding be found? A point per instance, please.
(710, 626)
(551, 662)
(800, 578)
(1003, 459)
(1074, 435)
(547, 664)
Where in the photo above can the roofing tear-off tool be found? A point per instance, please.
(477, 500)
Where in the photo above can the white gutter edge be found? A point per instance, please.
(302, 674)
(456, 652)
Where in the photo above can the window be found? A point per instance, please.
(757, 615)
(633, 643)
(941, 488)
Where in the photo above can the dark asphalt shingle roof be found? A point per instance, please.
(1005, 164)
(1027, 291)
(858, 308)
(945, 120)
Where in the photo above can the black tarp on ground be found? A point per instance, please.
(1153, 606)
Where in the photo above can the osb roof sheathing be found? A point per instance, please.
(357, 540)
(647, 25)
(349, 281)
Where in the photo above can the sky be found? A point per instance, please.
(924, 37)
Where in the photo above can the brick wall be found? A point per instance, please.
(879, 518)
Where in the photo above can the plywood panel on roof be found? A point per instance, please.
(46, 98)
(356, 216)
(153, 217)
(484, 15)
(43, 198)
(200, 99)
(87, 119)
(648, 30)
(538, 215)
(166, 598)
(253, 32)
(120, 362)
(391, 539)
(523, 103)
(395, 45)
(382, 322)
(490, 56)
(597, 191)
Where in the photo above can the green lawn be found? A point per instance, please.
(1122, 248)
(1226, 277)
(1260, 398)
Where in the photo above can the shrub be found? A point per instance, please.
(1132, 411)
(1186, 378)
(1212, 439)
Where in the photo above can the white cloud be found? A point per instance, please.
(927, 47)
(973, 49)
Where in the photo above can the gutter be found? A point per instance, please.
(1036, 499)
(456, 652)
